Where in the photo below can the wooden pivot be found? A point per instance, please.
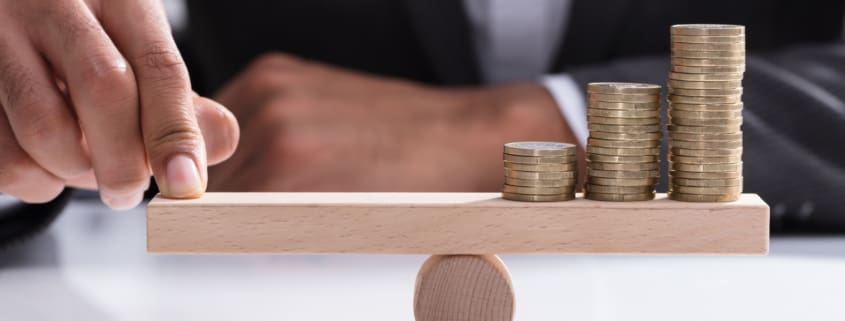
(463, 288)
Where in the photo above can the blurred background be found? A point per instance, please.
(91, 263)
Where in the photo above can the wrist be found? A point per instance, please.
(489, 117)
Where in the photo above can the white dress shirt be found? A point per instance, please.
(516, 40)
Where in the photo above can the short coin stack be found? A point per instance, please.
(624, 145)
(705, 112)
(539, 171)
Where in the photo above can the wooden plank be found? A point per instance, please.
(451, 223)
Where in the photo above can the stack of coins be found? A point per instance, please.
(539, 171)
(624, 145)
(705, 113)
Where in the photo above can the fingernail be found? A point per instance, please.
(183, 180)
(124, 202)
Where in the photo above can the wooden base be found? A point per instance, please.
(464, 287)
(451, 223)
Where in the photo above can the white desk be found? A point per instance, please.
(93, 266)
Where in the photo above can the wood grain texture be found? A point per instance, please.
(464, 287)
(451, 223)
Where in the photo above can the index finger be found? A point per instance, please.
(172, 136)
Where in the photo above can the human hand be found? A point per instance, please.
(94, 93)
(312, 127)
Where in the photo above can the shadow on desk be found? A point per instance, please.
(35, 289)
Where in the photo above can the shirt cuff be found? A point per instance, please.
(571, 103)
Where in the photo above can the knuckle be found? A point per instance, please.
(181, 135)
(106, 72)
(162, 61)
(40, 126)
(122, 181)
(17, 84)
(274, 60)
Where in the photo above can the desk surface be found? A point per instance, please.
(93, 265)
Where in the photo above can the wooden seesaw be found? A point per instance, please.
(464, 281)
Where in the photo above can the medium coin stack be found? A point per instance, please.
(624, 145)
(705, 112)
(539, 171)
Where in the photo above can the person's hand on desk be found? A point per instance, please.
(95, 94)
(311, 127)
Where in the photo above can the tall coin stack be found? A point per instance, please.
(624, 145)
(705, 112)
(539, 171)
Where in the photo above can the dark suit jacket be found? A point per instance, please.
(794, 126)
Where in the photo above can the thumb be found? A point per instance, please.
(219, 129)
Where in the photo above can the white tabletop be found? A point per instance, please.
(92, 265)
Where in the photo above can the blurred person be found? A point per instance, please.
(385, 95)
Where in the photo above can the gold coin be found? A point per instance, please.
(704, 160)
(733, 128)
(540, 182)
(709, 168)
(623, 113)
(624, 136)
(622, 181)
(622, 88)
(703, 198)
(537, 190)
(590, 188)
(538, 198)
(705, 122)
(708, 39)
(619, 197)
(735, 152)
(708, 54)
(708, 69)
(539, 175)
(706, 107)
(626, 129)
(704, 175)
(622, 159)
(706, 182)
(706, 92)
(706, 77)
(623, 166)
(541, 167)
(622, 174)
(706, 137)
(728, 84)
(716, 190)
(705, 144)
(733, 99)
(624, 106)
(540, 149)
(705, 114)
(701, 62)
(652, 143)
(705, 29)
(625, 98)
(539, 159)
(623, 121)
(740, 46)
(622, 151)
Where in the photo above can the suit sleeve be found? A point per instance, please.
(793, 129)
